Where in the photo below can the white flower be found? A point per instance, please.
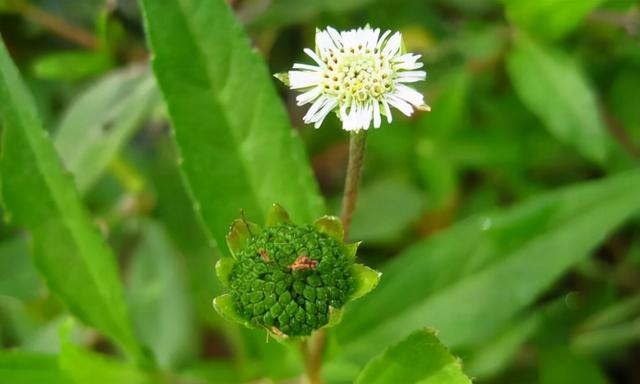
(358, 73)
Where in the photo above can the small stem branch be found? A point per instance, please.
(55, 24)
(357, 140)
(354, 171)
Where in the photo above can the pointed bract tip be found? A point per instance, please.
(223, 304)
(277, 215)
(335, 317)
(223, 269)
(424, 108)
(331, 226)
(282, 76)
(366, 280)
(350, 250)
(240, 233)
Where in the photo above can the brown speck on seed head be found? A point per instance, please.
(264, 254)
(277, 332)
(304, 262)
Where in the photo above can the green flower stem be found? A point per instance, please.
(313, 374)
(354, 171)
(312, 354)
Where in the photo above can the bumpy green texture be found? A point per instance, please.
(291, 277)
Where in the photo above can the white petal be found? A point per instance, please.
(315, 107)
(376, 114)
(368, 115)
(411, 76)
(303, 79)
(387, 110)
(393, 45)
(349, 123)
(407, 62)
(307, 67)
(320, 116)
(382, 39)
(313, 56)
(409, 94)
(324, 41)
(335, 35)
(308, 96)
(400, 104)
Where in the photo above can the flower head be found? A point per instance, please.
(359, 74)
(290, 279)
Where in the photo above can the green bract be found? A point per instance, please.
(290, 279)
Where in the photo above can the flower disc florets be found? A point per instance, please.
(289, 277)
(359, 73)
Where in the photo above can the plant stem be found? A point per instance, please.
(55, 24)
(354, 171)
(312, 354)
(313, 375)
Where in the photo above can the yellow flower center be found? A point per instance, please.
(356, 74)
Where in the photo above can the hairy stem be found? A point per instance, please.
(354, 171)
(312, 354)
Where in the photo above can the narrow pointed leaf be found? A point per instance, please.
(41, 197)
(277, 215)
(236, 142)
(366, 279)
(552, 86)
(101, 120)
(330, 225)
(508, 258)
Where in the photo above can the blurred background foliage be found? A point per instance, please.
(528, 98)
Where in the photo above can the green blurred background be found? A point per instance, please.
(526, 96)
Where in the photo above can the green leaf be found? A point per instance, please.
(471, 279)
(366, 280)
(552, 19)
(492, 357)
(18, 276)
(377, 221)
(331, 226)
(72, 65)
(159, 299)
(237, 146)
(39, 195)
(20, 367)
(553, 88)
(100, 121)
(86, 366)
(420, 357)
(286, 12)
(560, 366)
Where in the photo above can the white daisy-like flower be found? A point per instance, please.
(359, 74)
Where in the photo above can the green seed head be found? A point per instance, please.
(288, 278)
